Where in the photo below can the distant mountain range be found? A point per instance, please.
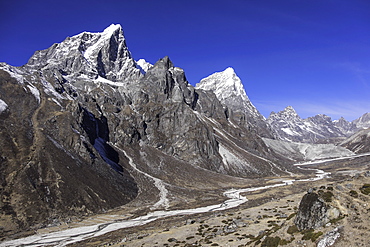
(86, 128)
(318, 129)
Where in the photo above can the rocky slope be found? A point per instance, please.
(86, 128)
(359, 142)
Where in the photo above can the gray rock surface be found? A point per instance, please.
(315, 211)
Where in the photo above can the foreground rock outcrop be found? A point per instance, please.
(315, 210)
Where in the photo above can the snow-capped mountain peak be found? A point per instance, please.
(229, 90)
(103, 54)
(363, 122)
(103, 38)
(223, 84)
(287, 114)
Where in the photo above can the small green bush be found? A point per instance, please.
(365, 189)
(316, 235)
(326, 195)
(353, 193)
(291, 216)
(271, 242)
(292, 229)
(311, 235)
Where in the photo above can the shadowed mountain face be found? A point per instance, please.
(85, 129)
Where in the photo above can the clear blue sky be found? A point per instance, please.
(311, 54)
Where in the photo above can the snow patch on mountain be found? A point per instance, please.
(232, 160)
(35, 92)
(143, 65)
(13, 72)
(3, 106)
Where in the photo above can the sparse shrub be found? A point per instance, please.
(291, 216)
(311, 235)
(326, 195)
(271, 242)
(353, 193)
(292, 229)
(316, 235)
(333, 221)
(285, 242)
(307, 234)
(365, 189)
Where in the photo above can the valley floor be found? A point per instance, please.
(266, 216)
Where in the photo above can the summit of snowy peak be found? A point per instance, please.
(363, 122)
(290, 109)
(103, 39)
(229, 90)
(224, 84)
(287, 113)
(103, 54)
(344, 126)
(229, 70)
(112, 28)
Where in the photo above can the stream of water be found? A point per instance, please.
(73, 235)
